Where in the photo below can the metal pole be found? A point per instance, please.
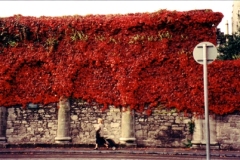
(206, 100)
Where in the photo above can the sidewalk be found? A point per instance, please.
(124, 150)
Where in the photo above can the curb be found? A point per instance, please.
(169, 151)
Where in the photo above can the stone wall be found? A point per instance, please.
(40, 125)
(164, 128)
(3, 124)
(84, 119)
(228, 131)
(31, 125)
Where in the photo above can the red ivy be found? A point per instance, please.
(139, 60)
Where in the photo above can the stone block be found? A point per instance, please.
(21, 131)
(87, 134)
(73, 125)
(163, 128)
(108, 119)
(176, 144)
(174, 114)
(52, 132)
(177, 128)
(150, 119)
(156, 118)
(237, 126)
(115, 125)
(152, 127)
(52, 110)
(75, 132)
(178, 120)
(12, 117)
(182, 125)
(167, 124)
(50, 125)
(233, 124)
(41, 111)
(89, 128)
(10, 110)
(114, 109)
(9, 124)
(171, 117)
(145, 127)
(24, 122)
(74, 117)
(141, 120)
(9, 131)
(47, 116)
(31, 132)
(186, 121)
(161, 133)
(152, 134)
(40, 129)
(139, 133)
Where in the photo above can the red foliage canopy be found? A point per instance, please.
(140, 59)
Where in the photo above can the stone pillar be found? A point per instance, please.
(212, 131)
(63, 121)
(128, 131)
(3, 124)
(198, 132)
(199, 135)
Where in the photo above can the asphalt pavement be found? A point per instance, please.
(70, 149)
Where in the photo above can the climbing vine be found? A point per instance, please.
(139, 60)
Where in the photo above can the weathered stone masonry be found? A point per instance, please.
(3, 124)
(164, 128)
(31, 125)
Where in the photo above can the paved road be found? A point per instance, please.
(97, 156)
(77, 153)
